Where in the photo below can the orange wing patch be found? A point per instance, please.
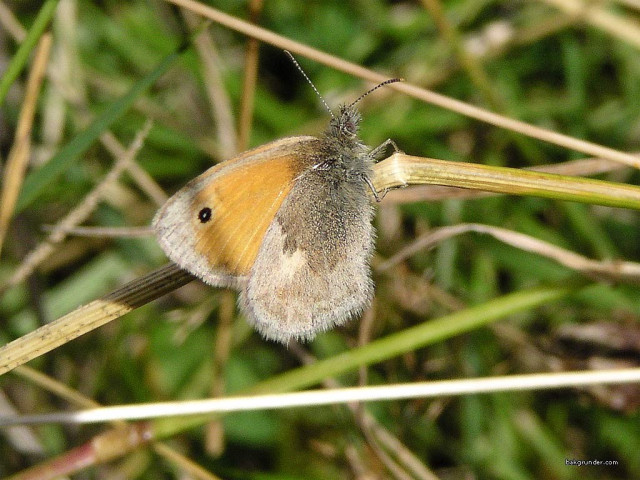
(244, 200)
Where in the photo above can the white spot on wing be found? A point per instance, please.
(290, 264)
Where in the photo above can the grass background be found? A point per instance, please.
(558, 72)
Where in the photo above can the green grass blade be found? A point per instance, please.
(22, 55)
(388, 347)
(421, 335)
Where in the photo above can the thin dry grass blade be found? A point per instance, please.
(92, 315)
(596, 15)
(428, 96)
(606, 269)
(79, 214)
(19, 155)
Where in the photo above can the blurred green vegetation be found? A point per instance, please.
(564, 75)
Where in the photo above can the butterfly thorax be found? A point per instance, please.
(341, 155)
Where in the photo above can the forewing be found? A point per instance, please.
(244, 194)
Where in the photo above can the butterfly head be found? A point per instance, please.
(345, 125)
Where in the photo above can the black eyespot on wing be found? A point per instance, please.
(204, 215)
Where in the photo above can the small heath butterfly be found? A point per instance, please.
(288, 224)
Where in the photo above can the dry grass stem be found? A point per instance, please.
(217, 94)
(401, 170)
(13, 174)
(249, 80)
(600, 17)
(606, 269)
(103, 232)
(78, 400)
(11, 24)
(92, 315)
(432, 193)
(414, 91)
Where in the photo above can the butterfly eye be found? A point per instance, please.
(204, 215)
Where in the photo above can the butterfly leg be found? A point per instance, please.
(369, 183)
(376, 152)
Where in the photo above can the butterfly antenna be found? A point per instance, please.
(386, 82)
(295, 62)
